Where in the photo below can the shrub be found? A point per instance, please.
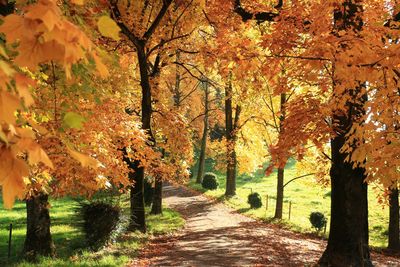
(99, 221)
(210, 181)
(254, 199)
(318, 220)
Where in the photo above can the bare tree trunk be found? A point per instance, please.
(279, 194)
(394, 242)
(231, 127)
(281, 171)
(138, 216)
(156, 208)
(202, 158)
(38, 241)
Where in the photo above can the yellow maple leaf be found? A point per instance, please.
(101, 68)
(46, 11)
(108, 27)
(83, 159)
(12, 171)
(13, 27)
(23, 83)
(78, 2)
(8, 106)
(14, 185)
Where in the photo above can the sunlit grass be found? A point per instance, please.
(305, 195)
(69, 241)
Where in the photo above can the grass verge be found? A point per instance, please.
(305, 196)
(69, 241)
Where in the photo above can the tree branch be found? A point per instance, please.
(157, 20)
(259, 16)
(116, 14)
(298, 177)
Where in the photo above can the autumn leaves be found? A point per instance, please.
(43, 35)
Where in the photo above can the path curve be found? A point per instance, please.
(215, 235)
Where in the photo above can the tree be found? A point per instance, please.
(203, 146)
(231, 128)
(394, 226)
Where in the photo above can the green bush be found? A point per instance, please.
(99, 221)
(317, 220)
(210, 181)
(254, 199)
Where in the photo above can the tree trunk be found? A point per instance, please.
(138, 216)
(281, 170)
(279, 194)
(394, 242)
(202, 158)
(231, 137)
(230, 189)
(156, 208)
(38, 241)
(348, 237)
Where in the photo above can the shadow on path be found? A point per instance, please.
(215, 235)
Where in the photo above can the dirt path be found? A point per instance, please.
(214, 235)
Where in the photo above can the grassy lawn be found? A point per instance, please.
(69, 241)
(305, 195)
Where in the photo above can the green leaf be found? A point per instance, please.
(73, 120)
(108, 27)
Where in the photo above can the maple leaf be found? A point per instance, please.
(8, 106)
(46, 11)
(78, 2)
(73, 120)
(108, 27)
(23, 84)
(101, 68)
(12, 171)
(85, 160)
(13, 27)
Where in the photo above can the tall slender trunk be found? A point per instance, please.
(38, 240)
(279, 194)
(231, 137)
(137, 200)
(202, 158)
(156, 208)
(394, 242)
(138, 216)
(281, 170)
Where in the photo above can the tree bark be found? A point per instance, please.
(394, 242)
(279, 194)
(138, 216)
(156, 208)
(38, 240)
(231, 137)
(202, 158)
(281, 170)
(348, 237)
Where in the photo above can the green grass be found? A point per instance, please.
(69, 241)
(305, 195)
